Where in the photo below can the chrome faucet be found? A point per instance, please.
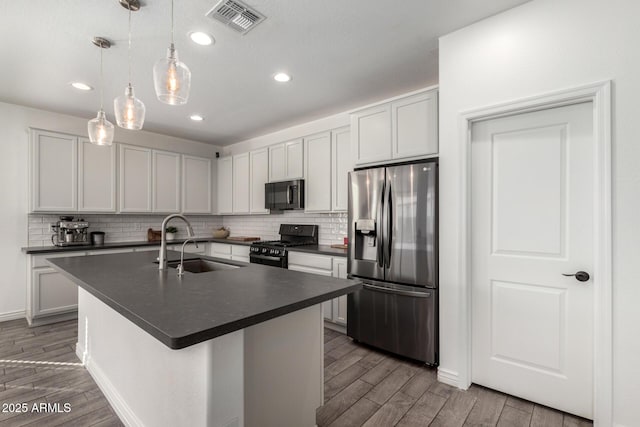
(181, 265)
(162, 257)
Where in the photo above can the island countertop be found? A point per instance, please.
(183, 311)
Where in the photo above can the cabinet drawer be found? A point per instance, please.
(39, 260)
(220, 248)
(238, 250)
(321, 262)
(310, 270)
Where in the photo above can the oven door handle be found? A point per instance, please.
(265, 257)
(397, 291)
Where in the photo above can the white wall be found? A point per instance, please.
(14, 143)
(543, 46)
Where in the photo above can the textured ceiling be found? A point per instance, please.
(341, 54)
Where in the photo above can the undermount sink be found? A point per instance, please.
(200, 265)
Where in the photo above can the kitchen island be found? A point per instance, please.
(233, 347)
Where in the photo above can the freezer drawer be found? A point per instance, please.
(400, 319)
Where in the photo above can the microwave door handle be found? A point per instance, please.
(388, 233)
(379, 235)
(289, 195)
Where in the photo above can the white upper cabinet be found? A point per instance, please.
(196, 185)
(414, 122)
(403, 129)
(259, 165)
(225, 185)
(96, 177)
(165, 182)
(135, 179)
(371, 130)
(286, 160)
(241, 184)
(341, 165)
(53, 172)
(318, 172)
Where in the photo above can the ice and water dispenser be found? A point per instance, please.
(365, 240)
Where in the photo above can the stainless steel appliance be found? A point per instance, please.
(69, 232)
(274, 252)
(284, 195)
(393, 249)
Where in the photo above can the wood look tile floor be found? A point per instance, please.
(363, 387)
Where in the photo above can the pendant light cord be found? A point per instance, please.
(101, 80)
(129, 44)
(171, 21)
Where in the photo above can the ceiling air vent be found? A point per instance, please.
(236, 15)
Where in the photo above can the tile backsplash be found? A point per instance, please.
(121, 228)
(332, 227)
(128, 228)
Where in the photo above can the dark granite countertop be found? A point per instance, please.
(37, 250)
(185, 311)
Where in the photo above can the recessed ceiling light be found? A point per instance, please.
(282, 77)
(196, 117)
(81, 86)
(201, 38)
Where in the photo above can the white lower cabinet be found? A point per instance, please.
(335, 310)
(51, 297)
(230, 251)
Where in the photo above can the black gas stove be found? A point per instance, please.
(274, 252)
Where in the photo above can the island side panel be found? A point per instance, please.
(283, 369)
(149, 384)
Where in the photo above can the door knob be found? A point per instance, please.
(581, 276)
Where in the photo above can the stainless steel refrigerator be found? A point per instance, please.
(393, 249)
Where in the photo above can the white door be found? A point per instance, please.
(532, 204)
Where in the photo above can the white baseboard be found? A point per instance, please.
(118, 404)
(13, 315)
(448, 377)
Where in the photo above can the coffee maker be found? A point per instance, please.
(69, 232)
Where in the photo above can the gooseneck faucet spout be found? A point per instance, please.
(162, 257)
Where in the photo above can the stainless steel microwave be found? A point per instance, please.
(284, 195)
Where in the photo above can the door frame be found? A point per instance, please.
(599, 94)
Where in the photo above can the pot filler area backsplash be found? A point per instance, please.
(130, 228)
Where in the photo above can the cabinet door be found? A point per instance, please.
(295, 159)
(415, 125)
(327, 308)
(277, 163)
(372, 134)
(220, 250)
(196, 185)
(96, 177)
(135, 179)
(342, 164)
(318, 167)
(53, 293)
(225, 177)
(240, 183)
(259, 164)
(54, 173)
(166, 182)
(340, 303)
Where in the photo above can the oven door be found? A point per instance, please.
(274, 261)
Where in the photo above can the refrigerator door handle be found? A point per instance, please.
(388, 233)
(379, 231)
(397, 291)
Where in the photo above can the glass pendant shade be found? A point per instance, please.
(171, 79)
(100, 130)
(129, 110)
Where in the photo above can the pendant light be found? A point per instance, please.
(100, 129)
(129, 109)
(171, 78)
